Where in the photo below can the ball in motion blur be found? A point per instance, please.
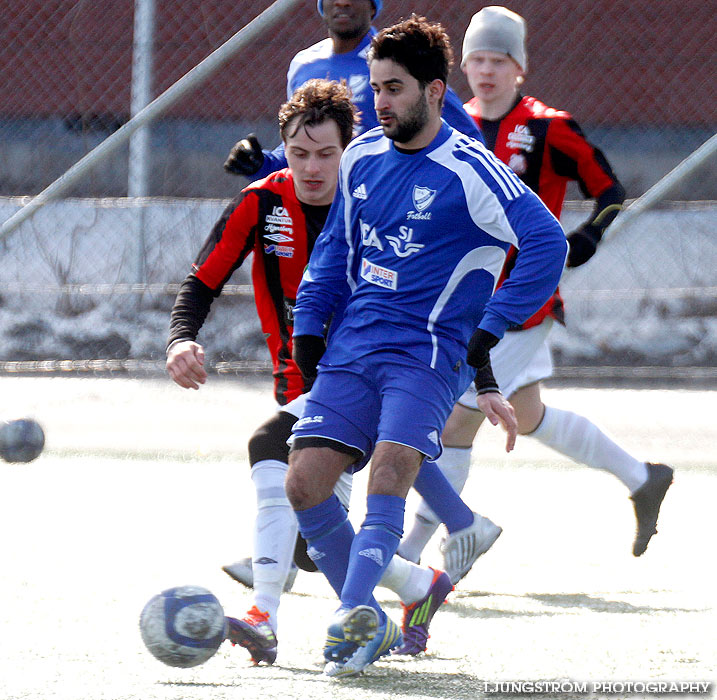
(183, 626)
(21, 440)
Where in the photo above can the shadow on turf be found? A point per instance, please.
(555, 600)
(394, 672)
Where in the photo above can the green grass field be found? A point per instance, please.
(144, 486)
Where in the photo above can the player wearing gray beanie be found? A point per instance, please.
(546, 148)
(496, 29)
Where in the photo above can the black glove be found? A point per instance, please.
(479, 347)
(308, 350)
(245, 158)
(583, 242)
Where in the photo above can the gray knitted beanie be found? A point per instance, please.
(496, 28)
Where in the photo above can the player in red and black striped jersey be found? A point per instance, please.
(268, 220)
(547, 149)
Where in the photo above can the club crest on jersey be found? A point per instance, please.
(358, 84)
(380, 276)
(422, 199)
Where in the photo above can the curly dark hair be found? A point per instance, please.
(421, 47)
(315, 102)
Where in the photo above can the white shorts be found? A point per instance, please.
(342, 489)
(521, 358)
(295, 407)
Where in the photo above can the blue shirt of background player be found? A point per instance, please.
(320, 61)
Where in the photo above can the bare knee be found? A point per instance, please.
(461, 427)
(393, 469)
(297, 485)
(313, 473)
(529, 408)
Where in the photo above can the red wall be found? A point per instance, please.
(607, 61)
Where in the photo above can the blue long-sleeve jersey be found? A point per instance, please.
(320, 61)
(414, 245)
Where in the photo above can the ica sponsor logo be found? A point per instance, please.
(521, 138)
(369, 237)
(280, 216)
(380, 276)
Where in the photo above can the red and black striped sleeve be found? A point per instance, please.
(573, 156)
(229, 243)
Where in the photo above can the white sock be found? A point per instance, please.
(407, 580)
(578, 438)
(455, 463)
(268, 604)
(275, 529)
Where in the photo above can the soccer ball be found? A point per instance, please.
(183, 626)
(21, 440)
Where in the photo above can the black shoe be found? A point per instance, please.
(647, 500)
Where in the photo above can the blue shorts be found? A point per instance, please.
(384, 396)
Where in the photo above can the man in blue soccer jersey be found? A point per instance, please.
(412, 250)
(342, 56)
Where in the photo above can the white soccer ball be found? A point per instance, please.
(183, 626)
(21, 440)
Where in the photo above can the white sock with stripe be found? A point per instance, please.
(275, 529)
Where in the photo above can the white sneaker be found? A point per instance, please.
(242, 572)
(462, 548)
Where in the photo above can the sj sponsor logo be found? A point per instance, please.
(402, 244)
(380, 276)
